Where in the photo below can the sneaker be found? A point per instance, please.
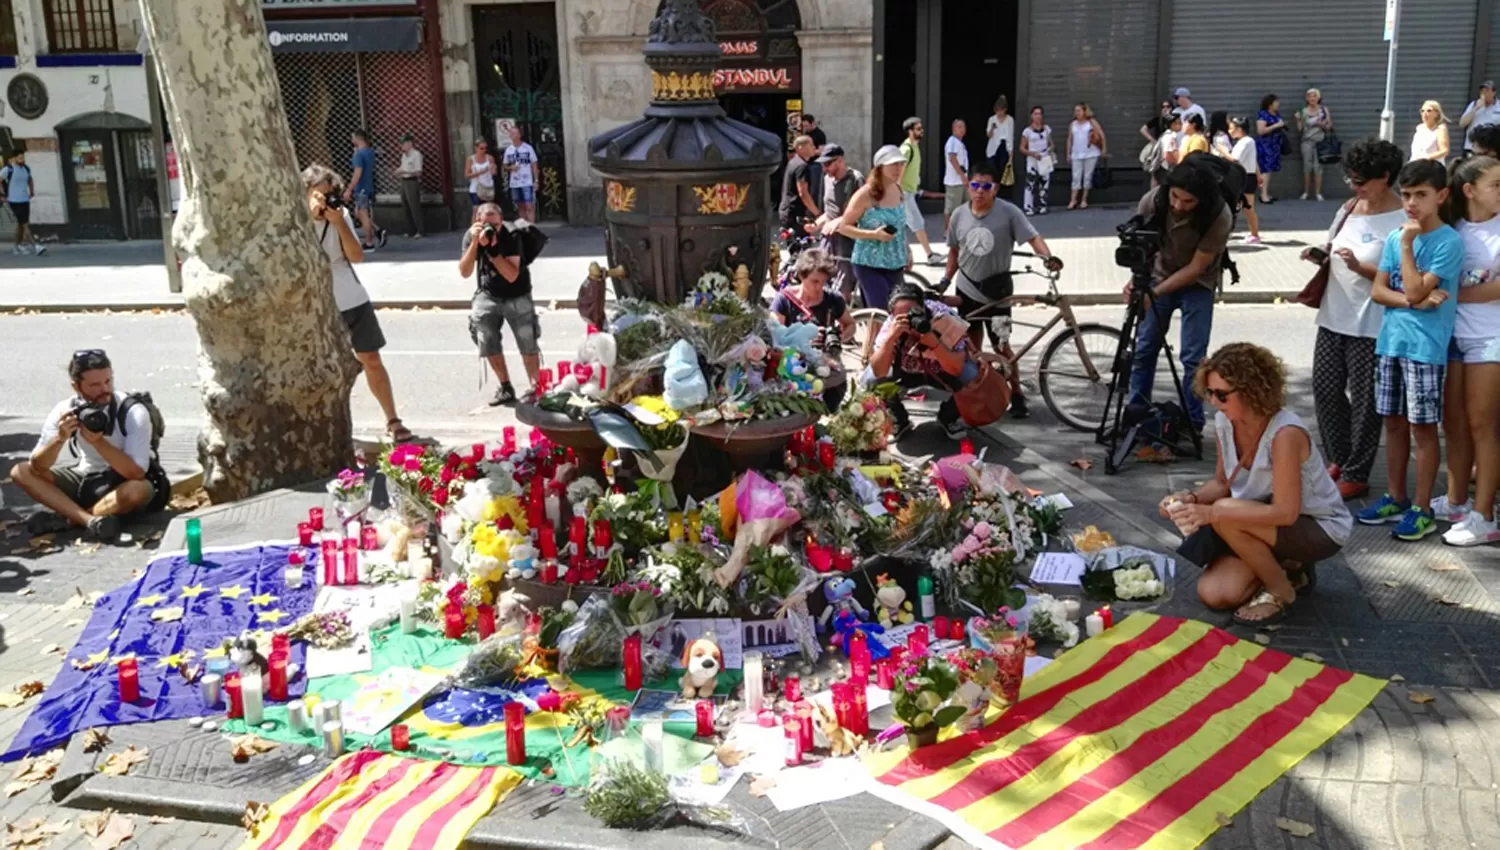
(506, 394)
(1473, 530)
(1414, 525)
(1353, 490)
(955, 429)
(365, 247)
(103, 528)
(384, 235)
(1304, 197)
(936, 259)
(1320, 197)
(1252, 240)
(1449, 512)
(18, 251)
(1383, 511)
(38, 249)
(1018, 409)
(47, 522)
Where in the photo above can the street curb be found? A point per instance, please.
(1091, 299)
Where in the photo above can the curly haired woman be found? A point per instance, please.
(1271, 512)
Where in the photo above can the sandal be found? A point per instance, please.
(1262, 598)
(399, 433)
(1304, 577)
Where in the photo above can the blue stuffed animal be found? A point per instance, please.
(839, 591)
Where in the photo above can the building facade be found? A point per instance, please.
(77, 101)
(567, 70)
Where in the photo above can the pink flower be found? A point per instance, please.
(982, 530)
(550, 701)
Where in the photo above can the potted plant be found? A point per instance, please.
(922, 698)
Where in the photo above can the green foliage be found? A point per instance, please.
(554, 620)
(933, 681)
(772, 574)
(628, 797)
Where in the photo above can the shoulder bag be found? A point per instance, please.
(1103, 177)
(1330, 150)
(985, 399)
(1312, 293)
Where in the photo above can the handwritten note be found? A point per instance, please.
(1058, 568)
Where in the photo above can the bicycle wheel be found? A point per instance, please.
(859, 349)
(914, 277)
(1075, 398)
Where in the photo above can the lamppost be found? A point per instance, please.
(1392, 35)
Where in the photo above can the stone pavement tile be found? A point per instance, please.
(1371, 811)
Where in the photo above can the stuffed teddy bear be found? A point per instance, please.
(595, 359)
(894, 607)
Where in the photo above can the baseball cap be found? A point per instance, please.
(830, 153)
(1182, 92)
(888, 155)
(1488, 84)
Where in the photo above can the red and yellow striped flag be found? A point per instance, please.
(372, 801)
(1136, 738)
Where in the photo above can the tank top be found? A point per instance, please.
(1037, 141)
(484, 174)
(1320, 495)
(1424, 141)
(1082, 147)
(877, 254)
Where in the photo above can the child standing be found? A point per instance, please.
(1472, 395)
(1417, 283)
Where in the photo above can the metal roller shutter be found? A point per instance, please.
(1231, 60)
(1101, 53)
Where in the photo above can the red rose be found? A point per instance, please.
(452, 461)
(446, 476)
(425, 485)
(470, 473)
(440, 496)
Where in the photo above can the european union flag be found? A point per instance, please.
(175, 613)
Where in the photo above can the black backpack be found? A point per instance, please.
(158, 422)
(1232, 181)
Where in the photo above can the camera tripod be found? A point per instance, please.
(1119, 433)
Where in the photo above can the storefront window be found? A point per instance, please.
(90, 175)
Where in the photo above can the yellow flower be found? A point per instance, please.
(658, 405)
(506, 506)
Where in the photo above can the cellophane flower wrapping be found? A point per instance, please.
(492, 662)
(763, 514)
(639, 608)
(861, 424)
(592, 640)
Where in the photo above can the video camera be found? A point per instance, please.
(1138, 247)
(95, 417)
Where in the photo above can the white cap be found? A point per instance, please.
(888, 155)
(1182, 92)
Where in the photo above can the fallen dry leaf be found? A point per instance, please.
(1295, 827)
(1082, 463)
(1444, 600)
(1397, 677)
(150, 538)
(95, 740)
(246, 746)
(1444, 568)
(51, 648)
(728, 755)
(107, 829)
(11, 700)
(119, 764)
(254, 814)
(1313, 657)
(30, 771)
(26, 591)
(1391, 583)
(1420, 697)
(30, 689)
(160, 819)
(40, 543)
(762, 786)
(1262, 639)
(35, 833)
(78, 600)
(1223, 819)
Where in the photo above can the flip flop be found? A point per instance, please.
(399, 432)
(1262, 598)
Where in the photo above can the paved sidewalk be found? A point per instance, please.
(129, 275)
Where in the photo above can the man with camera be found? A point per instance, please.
(111, 434)
(1189, 218)
(502, 296)
(921, 345)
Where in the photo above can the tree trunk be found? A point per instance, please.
(274, 358)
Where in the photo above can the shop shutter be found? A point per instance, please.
(1232, 54)
(1492, 66)
(1103, 53)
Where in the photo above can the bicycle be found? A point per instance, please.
(1074, 391)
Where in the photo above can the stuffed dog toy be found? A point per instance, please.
(703, 662)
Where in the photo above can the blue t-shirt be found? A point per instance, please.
(1422, 335)
(18, 181)
(364, 158)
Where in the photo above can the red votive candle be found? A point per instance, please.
(793, 688)
(548, 542)
(401, 737)
(453, 621)
(515, 732)
(940, 626)
(1107, 616)
(705, 710)
(351, 561)
(548, 572)
(304, 534)
(885, 675)
(843, 560)
(369, 538)
(535, 515)
(793, 726)
(958, 630)
(805, 714)
(543, 380)
(564, 369)
(476, 452)
(236, 697)
(966, 446)
(129, 676)
(809, 440)
(486, 621)
(315, 518)
(916, 642)
(536, 436)
(281, 643)
(859, 710)
(631, 654)
(601, 538)
(825, 455)
(330, 561)
(508, 440)
(277, 668)
(859, 660)
(843, 703)
(578, 532)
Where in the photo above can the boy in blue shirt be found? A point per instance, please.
(361, 190)
(1418, 285)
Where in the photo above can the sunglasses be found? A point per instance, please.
(88, 354)
(981, 186)
(1219, 396)
(1355, 181)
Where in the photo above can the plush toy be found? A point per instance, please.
(846, 626)
(511, 613)
(685, 385)
(703, 662)
(841, 742)
(800, 336)
(595, 359)
(741, 282)
(894, 607)
(523, 560)
(793, 369)
(839, 591)
(247, 657)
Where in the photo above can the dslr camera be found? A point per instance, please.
(94, 417)
(919, 318)
(488, 234)
(1138, 245)
(332, 201)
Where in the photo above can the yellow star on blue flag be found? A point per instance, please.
(148, 601)
(233, 591)
(262, 599)
(194, 591)
(271, 616)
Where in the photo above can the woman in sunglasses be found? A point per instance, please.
(1271, 512)
(1348, 319)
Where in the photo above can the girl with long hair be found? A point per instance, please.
(876, 221)
(1430, 139)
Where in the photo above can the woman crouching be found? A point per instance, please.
(1271, 512)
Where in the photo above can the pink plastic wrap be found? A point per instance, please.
(763, 515)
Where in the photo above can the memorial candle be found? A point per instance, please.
(793, 730)
(330, 561)
(508, 440)
(631, 656)
(793, 688)
(804, 712)
(408, 614)
(601, 539)
(859, 709)
(277, 675)
(859, 660)
(252, 700)
(369, 538)
(400, 737)
(351, 561)
(940, 626)
(885, 675)
(304, 534)
(754, 675)
(486, 621)
(129, 676)
(916, 642)
(1108, 616)
(209, 687)
(296, 716)
(315, 518)
(515, 733)
(564, 369)
(674, 527)
(453, 622)
(281, 643)
(234, 696)
(826, 455)
(548, 572)
(843, 704)
(194, 534)
(966, 446)
(293, 574)
(705, 712)
(543, 381)
(958, 630)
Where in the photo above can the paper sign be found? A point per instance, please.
(667, 706)
(378, 704)
(1058, 568)
(1061, 500)
(679, 755)
(346, 661)
(690, 788)
(831, 779)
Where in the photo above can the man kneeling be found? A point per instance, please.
(111, 435)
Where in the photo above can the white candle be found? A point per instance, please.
(421, 568)
(209, 685)
(408, 615)
(333, 739)
(754, 670)
(554, 510)
(253, 696)
(296, 715)
(334, 710)
(1071, 607)
(319, 716)
(1093, 625)
(294, 577)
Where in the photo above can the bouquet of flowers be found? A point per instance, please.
(762, 514)
(1049, 621)
(978, 673)
(635, 603)
(1127, 574)
(634, 519)
(981, 568)
(1005, 638)
(771, 575)
(592, 640)
(351, 493)
(667, 438)
(685, 576)
(922, 697)
(714, 294)
(862, 424)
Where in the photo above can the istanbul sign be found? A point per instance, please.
(782, 78)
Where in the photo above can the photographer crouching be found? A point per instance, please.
(1189, 213)
(502, 295)
(112, 435)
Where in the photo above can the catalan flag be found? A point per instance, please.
(1137, 738)
(373, 801)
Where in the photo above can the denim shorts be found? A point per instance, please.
(1474, 350)
(1411, 389)
(363, 200)
(523, 194)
